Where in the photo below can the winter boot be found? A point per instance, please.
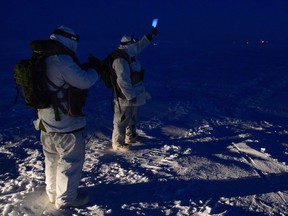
(121, 147)
(81, 199)
(131, 135)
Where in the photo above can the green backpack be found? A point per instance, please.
(30, 74)
(105, 70)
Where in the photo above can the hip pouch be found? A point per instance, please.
(76, 99)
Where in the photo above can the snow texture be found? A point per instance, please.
(214, 135)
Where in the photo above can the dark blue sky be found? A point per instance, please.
(105, 21)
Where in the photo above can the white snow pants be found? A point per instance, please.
(64, 158)
(123, 122)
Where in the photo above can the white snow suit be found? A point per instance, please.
(63, 141)
(125, 113)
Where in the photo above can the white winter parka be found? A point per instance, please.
(122, 69)
(62, 69)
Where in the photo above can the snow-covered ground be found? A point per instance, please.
(215, 140)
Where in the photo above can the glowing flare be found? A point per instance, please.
(154, 22)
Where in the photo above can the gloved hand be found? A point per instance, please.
(95, 62)
(85, 66)
(152, 33)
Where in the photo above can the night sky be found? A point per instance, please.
(102, 23)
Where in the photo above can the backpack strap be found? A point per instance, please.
(48, 48)
(56, 102)
(119, 53)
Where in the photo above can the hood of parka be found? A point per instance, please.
(130, 45)
(66, 41)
